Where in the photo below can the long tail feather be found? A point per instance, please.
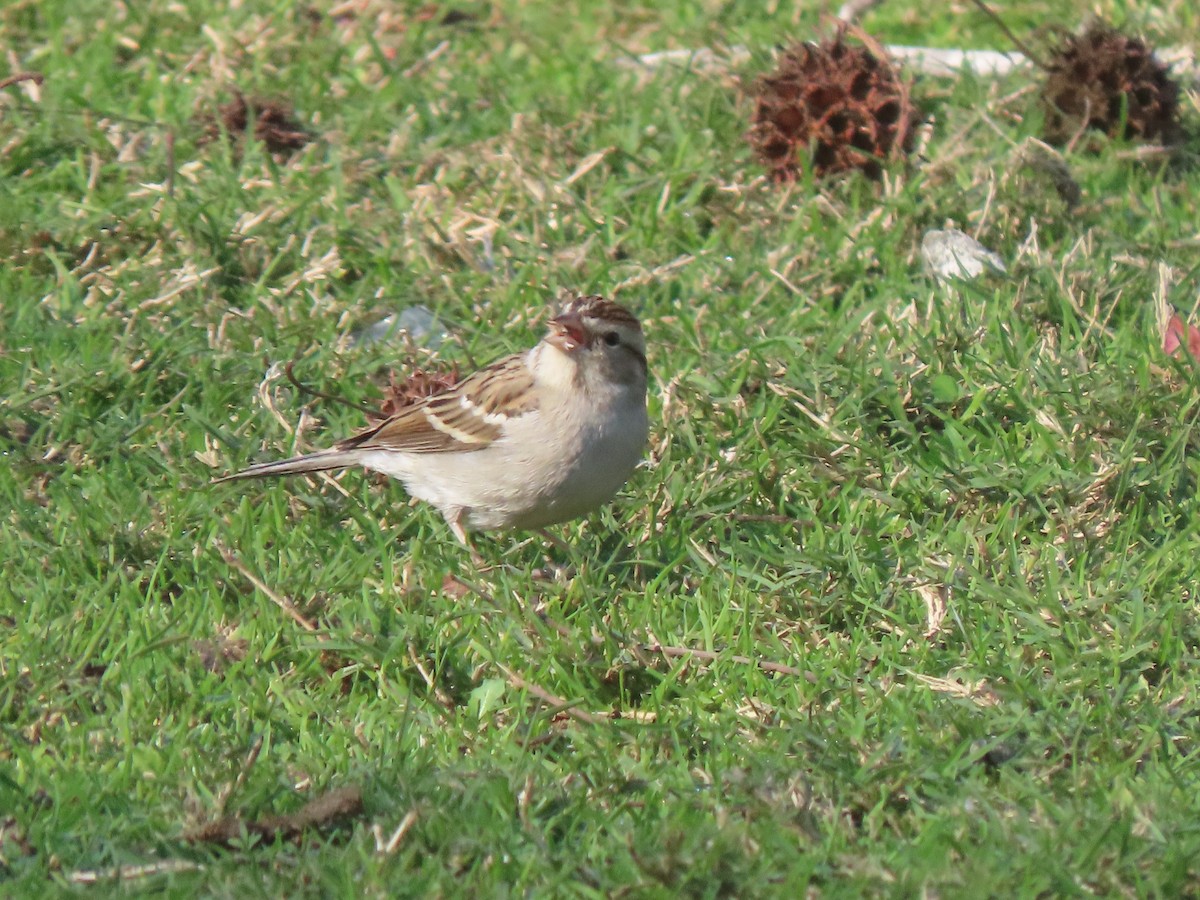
(298, 465)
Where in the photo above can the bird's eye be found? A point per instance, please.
(612, 339)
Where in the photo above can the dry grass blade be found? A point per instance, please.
(134, 872)
(392, 844)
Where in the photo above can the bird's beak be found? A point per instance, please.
(567, 332)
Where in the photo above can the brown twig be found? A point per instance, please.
(1016, 41)
(320, 395)
(444, 699)
(330, 660)
(711, 656)
(83, 109)
(251, 759)
(170, 146)
(766, 518)
(18, 77)
(542, 694)
(279, 600)
(319, 812)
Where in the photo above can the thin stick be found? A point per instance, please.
(282, 602)
(438, 694)
(766, 518)
(320, 395)
(251, 759)
(710, 656)
(170, 143)
(1016, 42)
(17, 78)
(542, 694)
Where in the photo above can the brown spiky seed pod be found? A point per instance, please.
(1101, 79)
(843, 101)
(415, 387)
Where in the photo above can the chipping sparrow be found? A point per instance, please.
(533, 439)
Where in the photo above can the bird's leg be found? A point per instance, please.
(555, 540)
(561, 572)
(454, 520)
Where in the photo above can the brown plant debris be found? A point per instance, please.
(320, 812)
(275, 123)
(218, 654)
(834, 106)
(415, 387)
(1178, 334)
(1108, 81)
(13, 842)
(36, 77)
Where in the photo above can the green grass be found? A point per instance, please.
(830, 465)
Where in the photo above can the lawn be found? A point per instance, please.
(903, 601)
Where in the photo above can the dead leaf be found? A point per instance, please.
(1177, 332)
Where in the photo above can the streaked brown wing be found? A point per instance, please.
(467, 417)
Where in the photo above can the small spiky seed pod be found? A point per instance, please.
(413, 388)
(843, 101)
(1101, 79)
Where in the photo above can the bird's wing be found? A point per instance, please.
(468, 416)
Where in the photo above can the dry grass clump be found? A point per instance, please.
(275, 123)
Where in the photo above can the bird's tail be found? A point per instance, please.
(298, 465)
